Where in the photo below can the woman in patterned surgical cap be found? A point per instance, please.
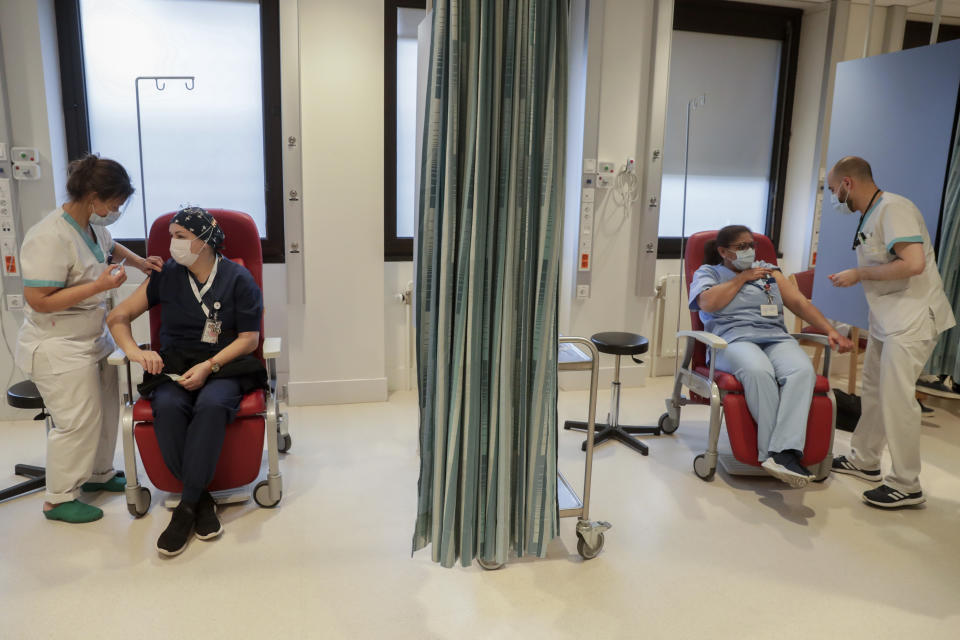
(211, 309)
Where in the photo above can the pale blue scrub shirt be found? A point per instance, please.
(741, 318)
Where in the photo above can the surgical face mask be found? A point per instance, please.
(744, 259)
(180, 251)
(103, 221)
(841, 206)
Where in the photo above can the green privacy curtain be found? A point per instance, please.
(946, 355)
(487, 264)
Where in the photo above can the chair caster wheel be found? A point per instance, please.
(284, 442)
(261, 495)
(667, 424)
(587, 552)
(700, 468)
(142, 504)
(490, 566)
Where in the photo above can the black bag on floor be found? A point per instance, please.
(848, 410)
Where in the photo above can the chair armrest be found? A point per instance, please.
(271, 348)
(712, 340)
(813, 337)
(118, 358)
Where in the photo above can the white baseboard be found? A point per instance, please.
(337, 391)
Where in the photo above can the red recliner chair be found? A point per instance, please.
(259, 413)
(723, 392)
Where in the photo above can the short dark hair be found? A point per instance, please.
(853, 167)
(724, 237)
(105, 178)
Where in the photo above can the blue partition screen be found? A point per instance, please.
(896, 111)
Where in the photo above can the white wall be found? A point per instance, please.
(337, 337)
(613, 304)
(32, 77)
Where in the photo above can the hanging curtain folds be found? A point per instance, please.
(946, 355)
(487, 267)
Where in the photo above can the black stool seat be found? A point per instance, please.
(620, 343)
(24, 395)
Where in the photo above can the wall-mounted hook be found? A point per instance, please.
(160, 87)
(189, 84)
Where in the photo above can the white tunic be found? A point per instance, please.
(914, 308)
(56, 252)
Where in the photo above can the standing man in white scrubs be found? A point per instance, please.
(908, 310)
(69, 263)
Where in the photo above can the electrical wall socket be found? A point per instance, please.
(14, 302)
(6, 224)
(583, 291)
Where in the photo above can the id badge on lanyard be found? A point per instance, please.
(212, 326)
(771, 309)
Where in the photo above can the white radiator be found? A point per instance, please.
(668, 295)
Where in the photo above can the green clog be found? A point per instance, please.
(74, 512)
(116, 484)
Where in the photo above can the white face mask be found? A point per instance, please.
(744, 259)
(103, 221)
(180, 251)
(841, 207)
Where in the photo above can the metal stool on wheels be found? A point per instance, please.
(619, 344)
(24, 395)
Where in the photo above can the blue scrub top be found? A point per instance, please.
(182, 319)
(741, 318)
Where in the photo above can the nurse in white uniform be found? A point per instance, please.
(908, 310)
(69, 264)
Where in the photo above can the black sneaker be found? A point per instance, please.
(207, 525)
(785, 466)
(842, 465)
(887, 497)
(174, 538)
(943, 386)
(924, 409)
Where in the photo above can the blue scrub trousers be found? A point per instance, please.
(778, 381)
(190, 427)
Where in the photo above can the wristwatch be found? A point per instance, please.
(214, 366)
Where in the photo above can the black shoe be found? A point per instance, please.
(206, 525)
(924, 409)
(943, 386)
(842, 465)
(174, 538)
(801, 467)
(887, 497)
(786, 467)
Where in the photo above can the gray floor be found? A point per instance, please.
(735, 558)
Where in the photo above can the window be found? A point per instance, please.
(917, 34)
(744, 57)
(189, 94)
(400, 124)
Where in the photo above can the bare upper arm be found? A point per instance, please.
(912, 254)
(791, 295)
(132, 307)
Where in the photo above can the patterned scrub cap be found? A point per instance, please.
(200, 223)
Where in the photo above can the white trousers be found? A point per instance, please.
(85, 408)
(890, 413)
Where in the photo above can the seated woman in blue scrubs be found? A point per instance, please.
(210, 325)
(741, 300)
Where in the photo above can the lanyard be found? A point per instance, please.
(765, 287)
(199, 293)
(856, 237)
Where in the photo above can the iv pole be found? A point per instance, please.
(692, 105)
(189, 83)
